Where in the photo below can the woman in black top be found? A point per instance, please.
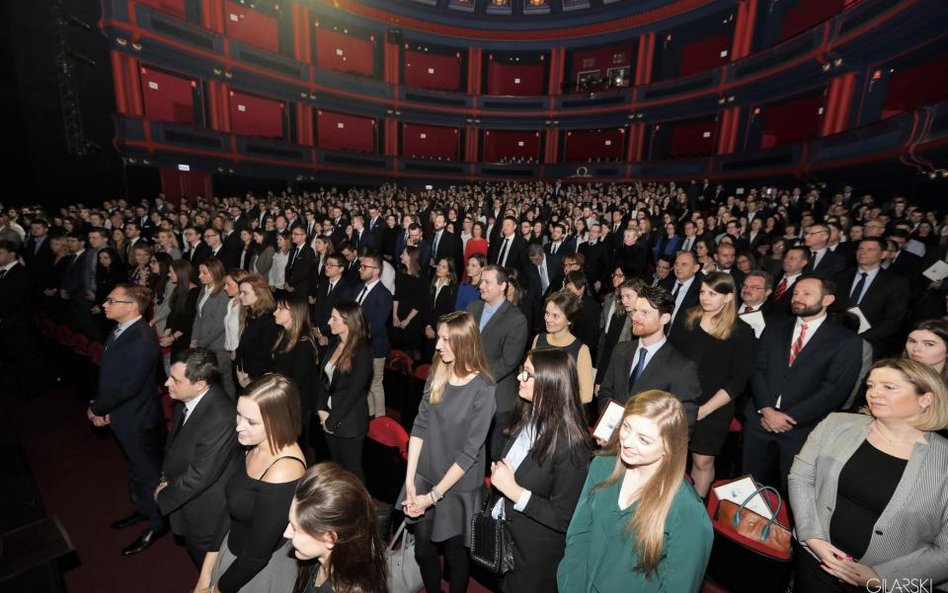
(254, 356)
(294, 356)
(109, 271)
(334, 532)
(183, 307)
(722, 346)
(342, 394)
(250, 553)
(442, 295)
(409, 305)
(390, 237)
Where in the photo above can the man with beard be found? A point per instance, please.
(804, 369)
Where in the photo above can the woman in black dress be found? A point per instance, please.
(722, 346)
(442, 295)
(250, 554)
(409, 306)
(254, 355)
(183, 302)
(294, 356)
(446, 457)
(334, 532)
(343, 389)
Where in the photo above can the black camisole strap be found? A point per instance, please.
(278, 459)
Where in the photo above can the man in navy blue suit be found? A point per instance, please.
(128, 403)
(376, 303)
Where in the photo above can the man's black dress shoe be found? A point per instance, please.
(146, 539)
(129, 521)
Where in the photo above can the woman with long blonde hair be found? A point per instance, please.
(636, 494)
(446, 456)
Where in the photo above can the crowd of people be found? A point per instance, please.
(808, 319)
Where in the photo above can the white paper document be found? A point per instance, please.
(738, 491)
(864, 324)
(608, 420)
(755, 319)
(937, 272)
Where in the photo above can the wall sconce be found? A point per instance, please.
(121, 41)
(137, 46)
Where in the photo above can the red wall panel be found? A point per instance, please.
(179, 184)
(250, 26)
(255, 116)
(601, 59)
(514, 79)
(792, 121)
(338, 131)
(432, 71)
(582, 145)
(338, 51)
(167, 97)
(695, 138)
(511, 144)
(704, 54)
(806, 14)
(175, 7)
(429, 141)
(917, 86)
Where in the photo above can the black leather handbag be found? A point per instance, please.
(491, 543)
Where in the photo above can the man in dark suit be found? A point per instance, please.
(586, 327)
(824, 262)
(361, 237)
(200, 452)
(350, 263)
(649, 361)
(726, 256)
(231, 246)
(17, 337)
(684, 284)
(509, 250)
(597, 258)
(881, 295)
(504, 338)
(444, 244)
(804, 368)
(559, 244)
(38, 255)
(376, 303)
(301, 265)
(75, 286)
(794, 262)
(194, 249)
(542, 278)
(127, 402)
(330, 292)
(416, 238)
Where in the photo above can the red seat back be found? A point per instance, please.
(421, 372)
(388, 432)
(399, 360)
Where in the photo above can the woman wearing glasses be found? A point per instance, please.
(446, 457)
(543, 468)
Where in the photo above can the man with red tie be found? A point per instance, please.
(794, 262)
(804, 369)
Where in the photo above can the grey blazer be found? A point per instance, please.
(910, 539)
(208, 328)
(263, 261)
(505, 341)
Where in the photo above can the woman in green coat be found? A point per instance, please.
(639, 526)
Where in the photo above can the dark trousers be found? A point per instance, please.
(143, 448)
(768, 456)
(455, 557)
(197, 548)
(809, 576)
(347, 452)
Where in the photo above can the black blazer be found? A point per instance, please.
(198, 462)
(884, 305)
(448, 247)
(15, 295)
(780, 308)
(819, 381)
(197, 256)
(539, 531)
(255, 350)
(442, 305)
(517, 256)
(831, 264)
(300, 270)
(668, 370)
(127, 386)
(324, 304)
(349, 416)
(299, 366)
(690, 300)
(377, 307)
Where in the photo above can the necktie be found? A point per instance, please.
(554, 247)
(781, 288)
(437, 240)
(112, 336)
(678, 286)
(501, 258)
(293, 253)
(544, 279)
(365, 289)
(798, 344)
(814, 257)
(637, 371)
(856, 294)
(329, 290)
(2, 274)
(748, 309)
(687, 245)
(181, 420)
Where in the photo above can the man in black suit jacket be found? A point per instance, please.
(509, 250)
(127, 401)
(684, 285)
(559, 244)
(649, 361)
(804, 368)
(824, 262)
(38, 255)
(504, 338)
(330, 292)
(597, 258)
(200, 452)
(194, 249)
(362, 238)
(301, 265)
(883, 297)
(17, 337)
(75, 286)
(795, 261)
(231, 247)
(376, 303)
(726, 257)
(444, 244)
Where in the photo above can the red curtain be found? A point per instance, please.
(250, 26)
(429, 141)
(582, 145)
(514, 79)
(338, 131)
(432, 71)
(177, 184)
(338, 51)
(167, 97)
(704, 54)
(917, 86)
(510, 144)
(255, 116)
(695, 138)
(792, 121)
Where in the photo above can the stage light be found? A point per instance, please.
(826, 67)
(121, 41)
(838, 62)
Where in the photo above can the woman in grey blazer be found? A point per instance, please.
(208, 329)
(869, 492)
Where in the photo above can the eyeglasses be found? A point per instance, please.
(618, 275)
(524, 375)
(365, 267)
(111, 301)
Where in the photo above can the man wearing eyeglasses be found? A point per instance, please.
(126, 403)
(376, 303)
(334, 289)
(301, 265)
